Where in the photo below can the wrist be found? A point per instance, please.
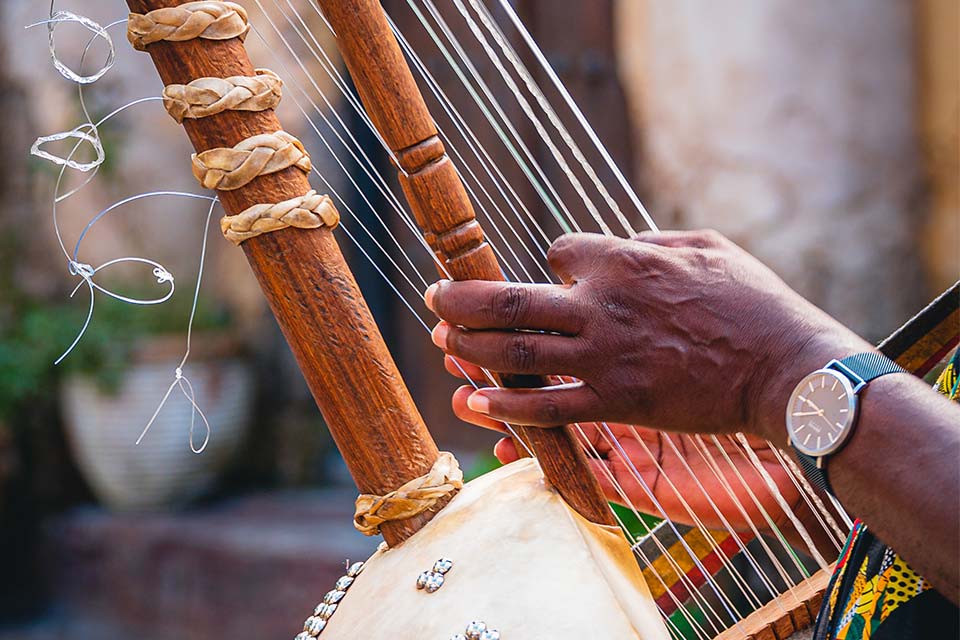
(781, 373)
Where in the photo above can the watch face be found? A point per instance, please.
(821, 412)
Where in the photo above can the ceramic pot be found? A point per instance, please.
(161, 471)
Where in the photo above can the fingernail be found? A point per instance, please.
(439, 335)
(428, 296)
(479, 403)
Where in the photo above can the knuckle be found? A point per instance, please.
(510, 304)
(630, 257)
(616, 305)
(563, 252)
(520, 354)
(440, 298)
(559, 247)
(455, 340)
(707, 238)
(644, 235)
(550, 412)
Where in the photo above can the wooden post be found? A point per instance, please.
(313, 295)
(443, 210)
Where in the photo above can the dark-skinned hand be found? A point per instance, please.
(677, 331)
(680, 470)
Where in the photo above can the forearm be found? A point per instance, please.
(903, 480)
(900, 471)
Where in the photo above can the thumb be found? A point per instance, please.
(574, 255)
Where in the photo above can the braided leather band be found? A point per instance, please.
(306, 212)
(210, 19)
(414, 497)
(205, 97)
(228, 169)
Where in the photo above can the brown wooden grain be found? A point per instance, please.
(313, 295)
(444, 211)
(781, 617)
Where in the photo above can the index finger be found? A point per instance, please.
(481, 304)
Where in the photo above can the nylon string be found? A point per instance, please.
(503, 205)
(442, 101)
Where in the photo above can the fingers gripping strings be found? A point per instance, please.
(88, 134)
(500, 124)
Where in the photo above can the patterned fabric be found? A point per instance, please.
(949, 382)
(874, 594)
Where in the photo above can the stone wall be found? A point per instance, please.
(789, 126)
(938, 67)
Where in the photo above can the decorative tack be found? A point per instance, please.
(433, 579)
(212, 19)
(414, 497)
(227, 169)
(316, 623)
(306, 212)
(433, 583)
(205, 97)
(442, 566)
(477, 630)
(422, 579)
(324, 611)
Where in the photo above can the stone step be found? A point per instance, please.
(251, 567)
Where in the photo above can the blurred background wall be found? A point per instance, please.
(821, 136)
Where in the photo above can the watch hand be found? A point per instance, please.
(807, 413)
(811, 403)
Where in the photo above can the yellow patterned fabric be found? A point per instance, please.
(949, 381)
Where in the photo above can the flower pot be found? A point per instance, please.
(162, 471)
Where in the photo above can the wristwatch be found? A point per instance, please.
(822, 411)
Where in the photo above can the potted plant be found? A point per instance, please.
(116, 379)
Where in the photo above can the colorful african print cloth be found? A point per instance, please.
(874, 594)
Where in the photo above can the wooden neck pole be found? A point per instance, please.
(444, 211)
(313, 295)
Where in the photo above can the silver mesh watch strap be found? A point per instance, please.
(864, 367)
(860, 369)
(816, 475)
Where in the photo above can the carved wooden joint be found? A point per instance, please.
(445, 214)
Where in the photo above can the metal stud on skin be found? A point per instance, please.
(442, 566)
(434, 581)
(324, 611)
(318, 621)
(474, 629)
(490, 634)
(314, 625)
(422, 579)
